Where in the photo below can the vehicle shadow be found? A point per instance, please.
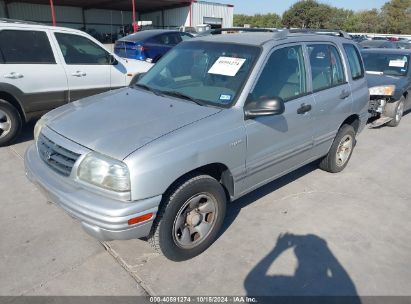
(318, 274)
(235, 207)
(26, 133)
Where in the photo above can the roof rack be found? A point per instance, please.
(237, 29)
(339, 33)
(7, 20)
(279, 33)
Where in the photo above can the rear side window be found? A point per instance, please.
(25, 47)
(185, 36)
(81, 50)
(168, 39)
(283, 75)
(326, 66)
(354, 61)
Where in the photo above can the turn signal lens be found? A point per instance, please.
(140, 219)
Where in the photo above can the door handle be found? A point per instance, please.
(304, 109)
(13, 75)
(79, 74)
(345, 94)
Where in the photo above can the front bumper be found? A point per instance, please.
(104, 218)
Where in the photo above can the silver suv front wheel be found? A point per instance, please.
(190, 217)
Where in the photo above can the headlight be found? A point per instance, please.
(104, 172)
(383, 90)
(37, 128)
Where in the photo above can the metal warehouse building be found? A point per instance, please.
(109, 15)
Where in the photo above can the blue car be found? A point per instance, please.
(149, 45)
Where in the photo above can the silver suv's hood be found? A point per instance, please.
(120, 122)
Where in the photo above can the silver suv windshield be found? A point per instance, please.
(205, 73)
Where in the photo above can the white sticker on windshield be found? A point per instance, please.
(227, 66)
(397, 63)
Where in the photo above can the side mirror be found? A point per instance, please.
(112, 60)
(265, 107)
(136, 78)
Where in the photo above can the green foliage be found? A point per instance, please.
(394, 17)
(266, 21)
(307, 14)
(364, 22)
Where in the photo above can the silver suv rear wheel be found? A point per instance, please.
(341, 150)
(10, 123)
(5, 124)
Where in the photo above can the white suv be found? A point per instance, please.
(43, 67)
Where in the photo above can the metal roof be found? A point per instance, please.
(124, 5)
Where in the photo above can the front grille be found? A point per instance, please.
(56, 157)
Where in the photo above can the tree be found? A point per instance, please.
(339, 18)
(364, 22)
(307, 14)
(396, 16)
(270, 20)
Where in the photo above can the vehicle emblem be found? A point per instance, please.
(48, 154)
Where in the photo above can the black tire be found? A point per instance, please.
(330, 163)
(392, 109)
(162, 236)
(9, 114)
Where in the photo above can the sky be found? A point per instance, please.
(251, 7)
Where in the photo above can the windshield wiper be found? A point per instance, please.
(147, 88)
(183, 96)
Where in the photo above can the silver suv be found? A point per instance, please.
(215, 119)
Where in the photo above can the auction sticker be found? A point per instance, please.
(397, 63)
(225, 98)
(227, 66)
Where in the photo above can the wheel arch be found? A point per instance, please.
(354, 121)
(407, 96)
(218, 171)
(14, 102)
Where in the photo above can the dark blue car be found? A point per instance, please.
(149, 45)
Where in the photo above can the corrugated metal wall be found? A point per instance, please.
(41, 13)
(155, 17)
(101, 20)
(173, 18)
(203, 9)
(177, 17)
(2, 11)
(181, 16)
(104, 21)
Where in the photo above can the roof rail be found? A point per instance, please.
(237, 29)
(339, 33)
(7, 20)
(281, 33)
